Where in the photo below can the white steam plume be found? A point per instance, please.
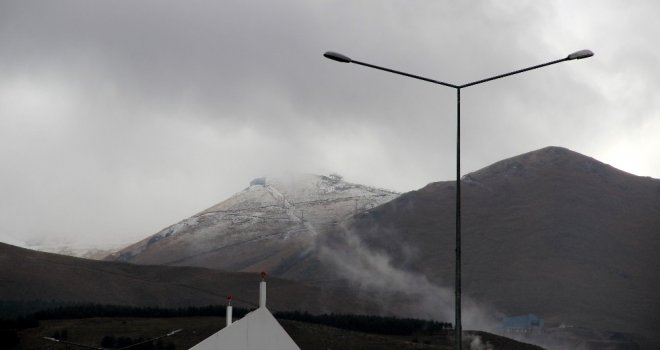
(402, 292)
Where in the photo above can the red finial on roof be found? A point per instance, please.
(263, 275)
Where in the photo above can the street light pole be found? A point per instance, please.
(345, 59)
(458, 328)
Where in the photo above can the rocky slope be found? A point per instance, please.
(267, 226)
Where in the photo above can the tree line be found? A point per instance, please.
(371, 324)
(360, 323)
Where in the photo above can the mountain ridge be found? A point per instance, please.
(270, 211)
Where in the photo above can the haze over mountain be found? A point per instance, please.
(267, 226)
(550, 232)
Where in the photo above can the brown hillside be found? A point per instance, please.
(27, 275)
(550, 232)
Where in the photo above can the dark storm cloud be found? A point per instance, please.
(152, 110)
(235, 54)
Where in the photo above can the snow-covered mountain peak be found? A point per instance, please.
(270, 208)
(298, 189)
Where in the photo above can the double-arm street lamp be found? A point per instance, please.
(344, 59)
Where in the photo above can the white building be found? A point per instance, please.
(258, 330)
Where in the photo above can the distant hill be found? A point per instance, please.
(28, 276)
(267, 226)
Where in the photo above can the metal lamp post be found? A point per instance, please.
(344, 59)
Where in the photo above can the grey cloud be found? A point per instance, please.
(167, 107)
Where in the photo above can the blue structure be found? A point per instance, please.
(522, 324)
(258, 181)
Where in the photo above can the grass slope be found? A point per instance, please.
(307, 336)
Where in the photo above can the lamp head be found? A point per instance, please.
(578, 55)
(337, 57)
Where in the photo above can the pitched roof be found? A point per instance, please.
(258, 330)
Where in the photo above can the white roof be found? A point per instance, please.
(258, 330)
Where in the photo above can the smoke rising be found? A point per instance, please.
(400, 292)
(477, 344)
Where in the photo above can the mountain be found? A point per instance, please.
(30, 279)
(268, 226)
(550, 232)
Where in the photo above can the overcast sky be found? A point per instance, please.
(119, 118)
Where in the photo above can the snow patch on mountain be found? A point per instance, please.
(278, 208)
(66, 247)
